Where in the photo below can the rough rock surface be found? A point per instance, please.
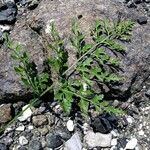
(98, 139)
(134, 63)
(39, 120)
(5, 113)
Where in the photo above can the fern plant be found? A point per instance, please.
(90, 67)
(27, 70)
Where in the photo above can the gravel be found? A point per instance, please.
(3, 146)
(53, 141)
(35, 145)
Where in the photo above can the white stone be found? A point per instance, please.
(114, 133)
(140, 126)
(23, 140)
(85, 127)
(98, 139)
(84, 149)
(113, 148)
(26, 114)
(136, 148)
(144, 123)
(57, 106)
(74, 143)
(131, 144)
(70, 125)
(8, 130)
(5, 28)
(30, 127)
(129, 119)
(147, 108)
(141, 132)
(16, 147)
(144, 87)
(113, 142)
(20, 128)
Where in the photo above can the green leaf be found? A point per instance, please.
(84, 105)
(65, 97)
(25, 82)
(19, 69)
(96, 101)
(113, 77)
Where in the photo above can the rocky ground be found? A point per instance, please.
(46, 127)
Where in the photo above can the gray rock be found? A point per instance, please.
(63, 133)
(8, 140)
(137, 1)
(35, 145)
(7, 1)
(8, 13)
(120, 1)
(39, 120)
(147, 1)
(5, 113)
(33, 4)
(53, 141)
(97, 139)
(23, 2)
(28, 135)
(3, 146)
(121, 143)
(131, 4)
(22, 148)
(142, 20)
(148, 93)
(43, 130)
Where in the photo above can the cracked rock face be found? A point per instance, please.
(135, 63)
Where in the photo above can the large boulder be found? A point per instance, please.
(28, 31)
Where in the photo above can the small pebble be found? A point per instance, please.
(142, 20)
(113, 142)
(30, 127)
(70, 125)
(141, 132)
(20, 128)
(114, 133)
(26, 114)
(35, 145)
(131, 144)
(23, 140)
(129, 119)
(140, 126)
(137, 1)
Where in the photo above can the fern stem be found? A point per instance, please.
(32, 103)
(89, 51)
